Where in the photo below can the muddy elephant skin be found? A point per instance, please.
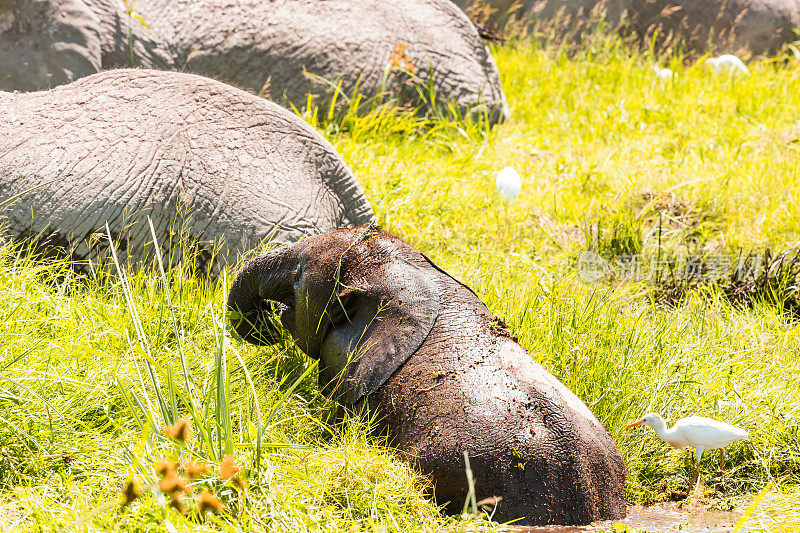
(398, 336)
(285, 49)
(116, 147)
(735, 26)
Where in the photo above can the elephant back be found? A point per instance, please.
(203, 160)
(471, 387)
(288, 49)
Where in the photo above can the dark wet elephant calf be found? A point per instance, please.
(397, 334)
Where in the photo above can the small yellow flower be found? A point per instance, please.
(180, 431)
(206, 501)
(400, 48)
(400, 60)
(227, 469)
(166, 468)
(194, 470)
(174, 485)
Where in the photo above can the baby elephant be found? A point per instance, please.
(396, 334)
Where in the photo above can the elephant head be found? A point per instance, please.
(358, 304)
(398, 336)
(44, 43)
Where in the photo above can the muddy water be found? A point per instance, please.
(657, 519)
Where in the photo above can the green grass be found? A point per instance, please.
(611, 159)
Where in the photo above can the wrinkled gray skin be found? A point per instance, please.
(735, 26)
(274, 47)
(398, 337)
(122, 145)
(44, 43)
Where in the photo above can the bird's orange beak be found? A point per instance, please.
(637, 423)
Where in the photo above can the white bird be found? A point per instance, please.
(508, 184)
(727, 64)
(664, 74)
(697, 432)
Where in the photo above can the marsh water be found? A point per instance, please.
(657, 519)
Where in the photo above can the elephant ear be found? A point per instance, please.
(44, 43)
(384, 319)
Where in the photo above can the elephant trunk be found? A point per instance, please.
(266, 280)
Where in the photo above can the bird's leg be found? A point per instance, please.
(721, 459)
(698, 451)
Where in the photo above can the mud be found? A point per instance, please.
(656, 519)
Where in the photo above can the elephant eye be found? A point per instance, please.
(343, 308)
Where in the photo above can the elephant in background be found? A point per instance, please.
(755, 27)
(45, 43)
(125, 144)
(397, 336)
(286, 49)
(749, 26)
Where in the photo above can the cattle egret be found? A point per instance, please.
(508, 184)
(727, 64)
(664, 74)
(697, 432)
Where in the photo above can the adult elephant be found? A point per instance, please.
(208, 163)
(397, 335)
(566, 13)
(47, 43)
(287, 49)
(737, 26)
(750, 26)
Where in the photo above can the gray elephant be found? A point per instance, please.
(286, 49)
(47, 43)
(736, 26)
(751, 26)
(208, 163)
(566, 13)
(398, 337)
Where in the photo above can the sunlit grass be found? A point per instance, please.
(80, 414)
(596, 138)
